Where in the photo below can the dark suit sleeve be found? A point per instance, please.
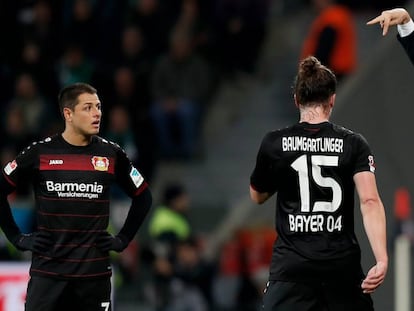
(408, 45)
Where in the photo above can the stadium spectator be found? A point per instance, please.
(75, 66)
(81, 28)
(180, 85)
(168, 225)
(332, 38)
(155, 18)
(33, 106)
(128, 89)
(192, 278)
(239, 28)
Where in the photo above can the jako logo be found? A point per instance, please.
(55, 162)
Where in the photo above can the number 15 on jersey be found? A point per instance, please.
(319, 218)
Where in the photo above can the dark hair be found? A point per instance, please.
(68, 96)
(171, 192)
(314, 83)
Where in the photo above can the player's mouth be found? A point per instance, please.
(96, 124)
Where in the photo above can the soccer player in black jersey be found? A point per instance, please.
(72, 174)
(314, 166)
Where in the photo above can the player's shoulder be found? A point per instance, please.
(37, 145)
(342, 129)
(346, 132)
(103, 141)
(276, 133)
(106, 143)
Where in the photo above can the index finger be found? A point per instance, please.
(375, 20)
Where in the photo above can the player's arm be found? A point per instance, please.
(397, 16)
(38, 242)
(140, 206)
(373, 215)
(133, 183)
(405, 26)
(7, 222)
(259, 197)
(262, 180)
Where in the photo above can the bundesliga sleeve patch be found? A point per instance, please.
(10, 167)
(371, 163)
(136, 177)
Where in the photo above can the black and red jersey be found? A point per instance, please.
(311, 168)
(72, 194)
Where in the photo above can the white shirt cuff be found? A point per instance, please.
(406, 29)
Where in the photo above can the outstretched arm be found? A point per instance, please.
(373, 215)
(405, 26)
(397, 16)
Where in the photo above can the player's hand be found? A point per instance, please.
(37, 242)
(374, 278)
(389, 18)
(106, 242)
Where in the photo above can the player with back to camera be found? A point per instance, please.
(314, 166)
(72, 174)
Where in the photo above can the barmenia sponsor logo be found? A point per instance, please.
(75, 190)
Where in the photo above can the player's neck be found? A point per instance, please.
(76, 139)
(313, 115)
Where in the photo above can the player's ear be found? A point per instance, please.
(332, 100)
(296, 102)
(67, 114)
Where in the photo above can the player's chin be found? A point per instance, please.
(94, 131)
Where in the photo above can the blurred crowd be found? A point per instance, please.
(155, 63)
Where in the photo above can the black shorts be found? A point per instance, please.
(290, 296)
(48, 294)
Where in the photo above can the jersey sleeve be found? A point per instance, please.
(127, 176)
(21, 168)
(262, 177)
(364, 158)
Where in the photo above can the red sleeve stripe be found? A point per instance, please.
(9, 180)
(143, 186)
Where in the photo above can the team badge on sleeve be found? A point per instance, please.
(371, 163)
(136, 177)
(10, 167)
(100, 163)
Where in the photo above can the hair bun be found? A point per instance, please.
(309, 66)
(314, 83)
